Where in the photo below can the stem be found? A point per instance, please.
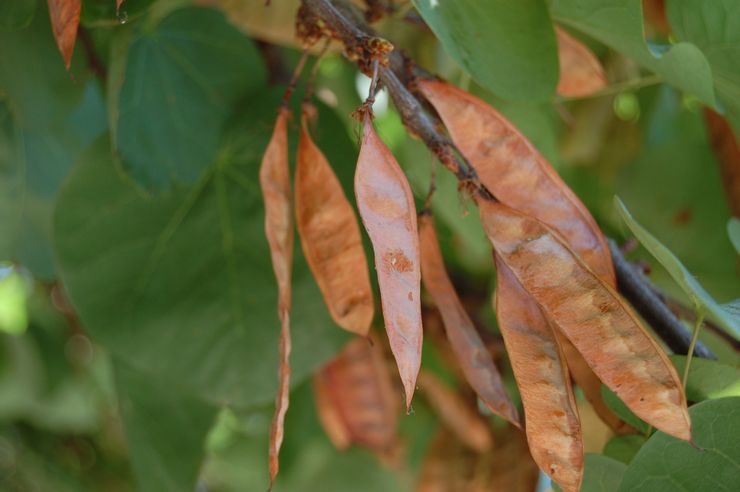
(315, 70)
(432, 186)
(294, 78)
(616, 88)
(694, 341)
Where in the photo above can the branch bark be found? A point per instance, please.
(346, 24)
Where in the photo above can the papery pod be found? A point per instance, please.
(355, 399)
(590, 313)
(450, 466)
(581, 73)
(65, 19)
(551, 416)
(460, 416)
(330, 237)
(516, 173)
(472, 355)
(511, 168)
(274, 178)
(388, 213)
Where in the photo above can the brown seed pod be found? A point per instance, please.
(65, 18)
(388, 213)
(590, 313)
(472, 355)
(275, 184)
(331, 240)
(552, 423)
(581, 73)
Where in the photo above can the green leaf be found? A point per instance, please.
(102, 13)
(180, 284)
(182, 78)
(712, 464)
(715, 28)
(600, 474)
(165, 430)
(617, 406)
(699, 296)
(624, 448)
(38, 145)
(508, 47)
(708, 379)
(619, 25)
(16, 14)
(733, 230)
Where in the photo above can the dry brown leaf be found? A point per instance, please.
(448, 466)
(473, 356)
(726, 149)
(510, 167)
(551, 417)
(389, 215)
(65, 19)
(591, 314)
(355, 398)
(457, 414)
(118, 6)
(275, 184)
(581, 73)
(331, 238)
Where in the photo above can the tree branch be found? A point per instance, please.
(345, 23)
(636, 288)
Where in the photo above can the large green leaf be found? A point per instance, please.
(698, 295)
(600, 474)
(182, 78)
(624, 448)
(165, 430)
(180, 284)
(711, 463)
(715, 28)
(508, 47)
(46, 122)
(619, 24)
(708, 379)
(16, 14)
(237, 458)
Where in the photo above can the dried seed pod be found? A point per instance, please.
(456, 413)
(331, 240)
(473, 356)
(389, 216)
(275, 184)
(581, 73)
(551, 417)
(511, 168)
(65, 18)
(590, 313)
(355, 399)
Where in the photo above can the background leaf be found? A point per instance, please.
(711, 464)
(708, 379)
(600, 474)
(165, 430)
(181, 79)
(507, 47)
(190, 268)
(699, 296)
(715, 28)
(619, 25)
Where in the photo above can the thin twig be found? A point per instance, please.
(277, 71)
(694, 341)
(294, 78)
(314, 71)
(432, 185)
